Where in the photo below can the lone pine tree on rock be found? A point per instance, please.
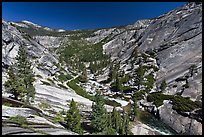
(99, 114)
(21, 77)
(73, 118)
(12, 85)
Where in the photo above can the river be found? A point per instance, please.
(150, 120)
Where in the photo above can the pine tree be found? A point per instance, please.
(109, 123)
(109, 130)
(83, 78)
(126, 124)
(163, 85)
(134, 107)
(117, 83)
(192, 69)
(115, 120)
(20, 82)
(91, 66)
(73, 118)
(25, 73)
(13, 85)
(124, 129)
(139, 76)
(99, 114)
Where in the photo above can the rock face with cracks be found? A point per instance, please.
(175, 38)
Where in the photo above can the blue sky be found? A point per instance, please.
(84, 15)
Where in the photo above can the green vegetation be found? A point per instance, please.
(180, 104)
(99, 113)
(21, 121)
(139, 94)
(108, 123)
(45, 83)
(25, 73)
(112, 103)
(44, 105)
(125, 79)
(12, 84)
(75, 53)
(27, 37)
(163, 85)
(64, 78)
(157, 98)
(73, 84)
(120, 123)
(119, 79)
(62, 86)
(139, 76)
(126, 88)
(50, 80)
(116, 85)
(18, 120)
(40, 65)
(125, 130)
(192, 69)
(7, 104)
(39, 76)
(134, 108)
(116, 119)
(73, 118)
(144, 56)
(155, 68)
(74, 34)
(184, 104)
(83, 77)
(152, 53)
(150, 82)
(21, 78)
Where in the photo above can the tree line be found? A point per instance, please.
(102, 122)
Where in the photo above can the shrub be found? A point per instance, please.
(126, 88)
(112, 103)
(155, 68)
(7, 104)
(139, 95)
(163, 85)
(158, 98)
(58, 118)
(44, 105)
(63, 77)
(125, 79)
(72, 84)
(150, 81)
(184, 104)
(20, 120)
(180, 104)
